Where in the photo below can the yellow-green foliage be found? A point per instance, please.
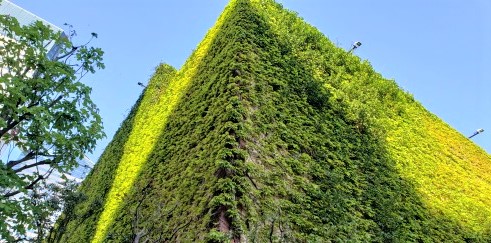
(148, 118)
(157, 103)
(159, 100)
(270, 133)
(449, 171)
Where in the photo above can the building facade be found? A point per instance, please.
(25, 18)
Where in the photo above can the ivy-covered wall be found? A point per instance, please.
(270, 133)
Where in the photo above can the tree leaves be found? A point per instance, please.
(45, 111)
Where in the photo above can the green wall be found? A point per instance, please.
(271, 133)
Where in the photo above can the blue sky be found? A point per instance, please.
(438, 50)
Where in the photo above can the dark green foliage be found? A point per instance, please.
(267, 145)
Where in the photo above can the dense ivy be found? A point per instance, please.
(277, 135)
(81, 221)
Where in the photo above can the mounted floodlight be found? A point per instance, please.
(478, 131)
(141, 84)
(355, 45)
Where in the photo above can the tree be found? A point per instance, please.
(45, 112)
(49, 199)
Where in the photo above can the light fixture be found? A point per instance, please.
(477, 132)
(355, 45)
(141, 84)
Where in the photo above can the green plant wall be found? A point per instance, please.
(449, 171)
(270, 133)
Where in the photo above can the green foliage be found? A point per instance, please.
(48, 200)
(277, 135)
(446, 169)
(45, 111)
(216, 237)
(104, 173)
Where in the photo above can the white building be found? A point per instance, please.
(25, 18)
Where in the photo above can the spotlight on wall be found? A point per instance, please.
(478, 131)
(355, 45)
(141, 84)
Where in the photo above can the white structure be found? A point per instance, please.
(25, 18)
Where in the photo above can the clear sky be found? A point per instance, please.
(438, 50)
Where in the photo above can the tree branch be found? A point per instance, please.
(26, 70)
(13, 163)
(25, 116)
(25, 167)
(178, 228)
(28, 187)
(74, 49)
(12, 124)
